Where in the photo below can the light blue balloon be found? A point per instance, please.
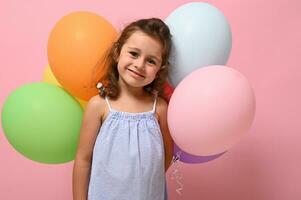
(201, 36)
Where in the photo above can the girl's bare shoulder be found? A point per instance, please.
(97, 104)
(161, 103)
(161, 108)
(96, 100)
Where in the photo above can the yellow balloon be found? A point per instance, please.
(50, 78)
(82, 103)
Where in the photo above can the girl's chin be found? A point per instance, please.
(132, 83)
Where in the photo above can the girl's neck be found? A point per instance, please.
(128, 91)
(132, 99)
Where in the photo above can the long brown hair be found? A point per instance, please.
(156, 29)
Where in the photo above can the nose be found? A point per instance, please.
(139, 63)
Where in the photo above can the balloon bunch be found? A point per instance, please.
(210, 109)
(42, 120)
(212, 105)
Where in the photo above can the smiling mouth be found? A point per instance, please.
(136, 73)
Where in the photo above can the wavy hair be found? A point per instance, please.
(154, 28)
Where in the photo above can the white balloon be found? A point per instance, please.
(201, 36)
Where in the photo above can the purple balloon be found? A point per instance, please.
(189, 158)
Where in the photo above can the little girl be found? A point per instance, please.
(125, 147)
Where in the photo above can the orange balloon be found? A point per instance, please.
(76, 44)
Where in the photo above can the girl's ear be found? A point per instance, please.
(162, 67)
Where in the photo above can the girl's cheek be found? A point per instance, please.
(152, 72)
(156, 70)
(128, 59)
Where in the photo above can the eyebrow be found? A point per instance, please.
(134, 48)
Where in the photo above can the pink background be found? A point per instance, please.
(266, 49)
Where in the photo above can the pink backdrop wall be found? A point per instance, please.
(266, 49)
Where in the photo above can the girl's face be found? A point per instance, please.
(139, 60)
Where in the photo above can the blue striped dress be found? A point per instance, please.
(128, 158)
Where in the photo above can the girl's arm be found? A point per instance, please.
(82, 163)
(168, 142)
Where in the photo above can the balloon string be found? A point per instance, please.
(176, 172)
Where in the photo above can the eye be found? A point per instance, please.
(134, 54)
(151, 61)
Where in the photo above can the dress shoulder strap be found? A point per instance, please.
(106, 98)
(155, 103)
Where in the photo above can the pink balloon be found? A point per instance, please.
(210, 110)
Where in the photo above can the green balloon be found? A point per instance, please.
(42, 122)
